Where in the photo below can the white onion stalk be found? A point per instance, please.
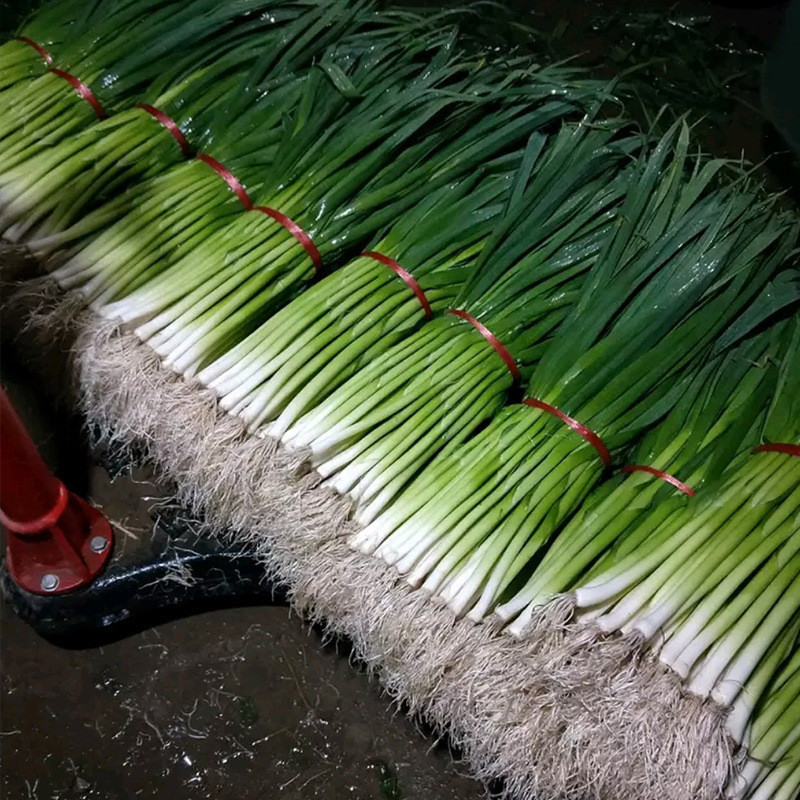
(772, 769)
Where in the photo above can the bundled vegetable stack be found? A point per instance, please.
(326, 202)
(715, 420)
(429, 393)
(176, 215)
(105, 62)
(714, 586)
(220, 88)
(476, 519)
(313, 344)
(549, 361)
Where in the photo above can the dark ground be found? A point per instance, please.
(229, 704)
(249, 702)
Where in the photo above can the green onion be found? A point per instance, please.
(772, 770)
(715, 587)
(51, 189)
(377, 431)
(127, 46)
(383, 157)
(646, 301)
(712, 421)
(312, 345)
(48, 27)
(240, 131)
(170, 215)
(681, 266)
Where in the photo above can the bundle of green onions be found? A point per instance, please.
(183, 112)
(80, 187)
(772, 770)
(714, 419)
(513, 240)
(715, 588)
(685, 261)
(426, 394)
(383, 157)
(316, 342)
(175, 213)
(29, 54)
(126, 47)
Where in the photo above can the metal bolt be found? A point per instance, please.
(49, 582)
(98, 544)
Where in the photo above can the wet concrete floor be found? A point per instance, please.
(229, 704)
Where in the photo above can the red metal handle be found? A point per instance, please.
(56, 541)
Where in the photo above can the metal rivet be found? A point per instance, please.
(98, 544)
(49, 582)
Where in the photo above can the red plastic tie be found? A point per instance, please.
(590, 436)
(778, 447)
(45, 54)
(406, 277)
(228, 177)
(665, 476)
(498, 346)
(296, 231)
(169, 124)
(82, 89)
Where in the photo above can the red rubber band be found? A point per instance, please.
(45, 54)
(82, 89)
(296, 231)
(228, 177)
(169, 124)
(665, 476)
(498, 346)
(579, 428)
(778, 447)
(47, 520)
(405, 276)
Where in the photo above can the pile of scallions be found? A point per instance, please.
(548, 357)
(209, 90)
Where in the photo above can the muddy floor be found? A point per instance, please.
(229, 704)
